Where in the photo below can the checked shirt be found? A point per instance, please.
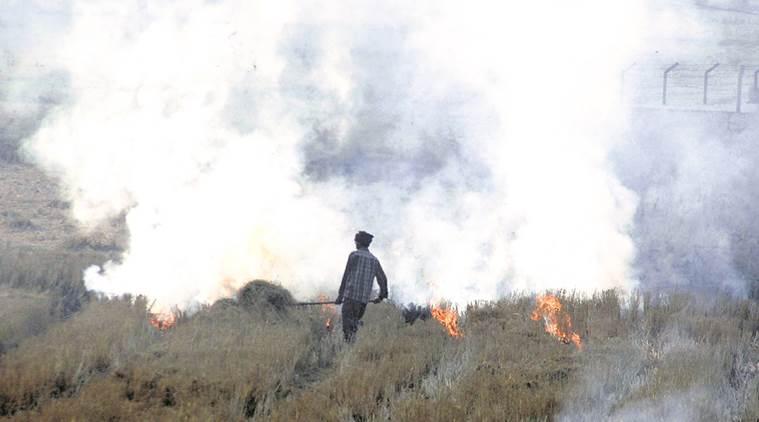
(358, 278)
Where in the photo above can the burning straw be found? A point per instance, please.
(558, 322)
(162, 321)
(448, 318)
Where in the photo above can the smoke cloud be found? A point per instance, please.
(251, 140)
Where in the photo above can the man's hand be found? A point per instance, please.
(339, 300)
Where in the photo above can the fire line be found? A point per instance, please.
(330, 310)
(448, 318)
(162, 321)
(557, 321)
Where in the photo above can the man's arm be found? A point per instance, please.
(382, 281)
(348, 267)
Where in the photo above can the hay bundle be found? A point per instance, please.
(224, 304)
(260, 295)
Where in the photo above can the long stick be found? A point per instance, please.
(312, 303)
(324, 303)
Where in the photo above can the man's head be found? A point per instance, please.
(363, 239)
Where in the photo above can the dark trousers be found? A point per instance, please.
(353, 311)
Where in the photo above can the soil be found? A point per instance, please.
(34, 215)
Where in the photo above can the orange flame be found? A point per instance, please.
(557, 320)
(448, 318)
(162, 321)
(329, 310)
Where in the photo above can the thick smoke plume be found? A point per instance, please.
(251, 139)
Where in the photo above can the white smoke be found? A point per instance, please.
(251, 139)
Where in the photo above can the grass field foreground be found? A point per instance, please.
(644, 356)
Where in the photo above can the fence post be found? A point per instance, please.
(706, 81)
(753, 96)
(664, 87)
(740, 89)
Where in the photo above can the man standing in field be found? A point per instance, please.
(358, 278)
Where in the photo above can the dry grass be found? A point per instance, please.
(56, 274)
(671, 357)
(22, 314)
(37, 289)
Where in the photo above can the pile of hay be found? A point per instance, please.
(262, 296)
(224, 304)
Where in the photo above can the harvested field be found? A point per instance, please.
(669, 355)
(562, 196)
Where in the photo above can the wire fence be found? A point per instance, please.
(688, 86)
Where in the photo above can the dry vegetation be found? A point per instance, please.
(22, 314)
(671, 357)
(66, 354)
